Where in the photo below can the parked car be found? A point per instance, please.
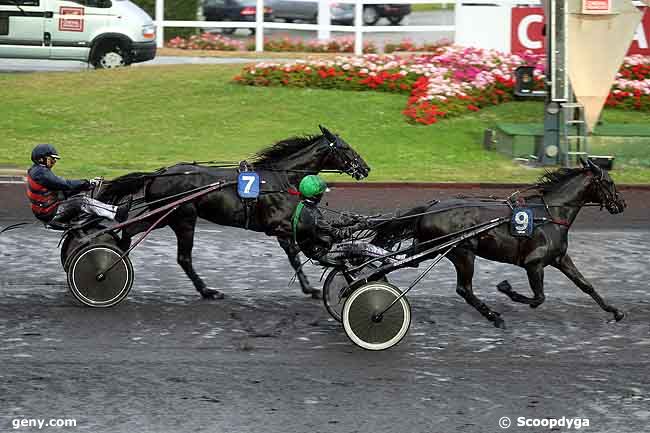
(232, 10)
(104, 33)
(292, 10)
(341, 13)
(394, 13)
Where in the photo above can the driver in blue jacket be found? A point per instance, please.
(55, 200)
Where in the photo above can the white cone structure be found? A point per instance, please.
(596, 46)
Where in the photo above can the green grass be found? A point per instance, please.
(113, 122)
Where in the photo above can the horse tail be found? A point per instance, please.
(125, 185)
(402, 227)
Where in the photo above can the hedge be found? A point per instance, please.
(184, 10)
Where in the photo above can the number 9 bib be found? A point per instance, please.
(521, 224)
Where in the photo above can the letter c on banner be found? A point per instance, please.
(522, 32)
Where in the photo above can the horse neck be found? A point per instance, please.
(567, 200)
(309, 160)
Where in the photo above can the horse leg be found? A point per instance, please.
(183, 225)
(535, 279)
(566, 266)
(463, 261)
(292, 251)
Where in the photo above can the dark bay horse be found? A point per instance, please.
(560, 196)
(280, 167)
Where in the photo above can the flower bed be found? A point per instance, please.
(215, 41)
(408, 45)
(447, 83)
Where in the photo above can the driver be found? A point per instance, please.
(55, 200)
(319, 239)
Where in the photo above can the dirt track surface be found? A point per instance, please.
(268, 359)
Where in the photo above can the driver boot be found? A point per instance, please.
(122, 212)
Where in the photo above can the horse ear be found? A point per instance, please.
(595, 168)
(330, 137)
(584, 163)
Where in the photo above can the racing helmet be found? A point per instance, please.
(42, 151)
(312, 186)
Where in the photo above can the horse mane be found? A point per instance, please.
(551, 180)
(283, 149)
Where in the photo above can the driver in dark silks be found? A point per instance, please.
(321, 240)
(55, 200)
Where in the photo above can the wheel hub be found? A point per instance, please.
(112, 60)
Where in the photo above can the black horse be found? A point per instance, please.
(560, 196)
(280, 167)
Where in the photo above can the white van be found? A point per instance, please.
(104, 33)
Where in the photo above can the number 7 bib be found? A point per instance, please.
(248, 184)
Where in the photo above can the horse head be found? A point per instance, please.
(343, 157)
(603, 190)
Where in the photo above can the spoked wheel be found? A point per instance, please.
(92, 283)
(366, 326)
(334, 289)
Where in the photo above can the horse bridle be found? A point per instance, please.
(352, 165)
(609, 197)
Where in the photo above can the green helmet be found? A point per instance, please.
(312, 185)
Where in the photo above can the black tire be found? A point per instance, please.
(110, 55)
(360, 321)
(370, 15)
(228, 31)
(84, 272)
(71, 244)
(334, 288)
(394, 21)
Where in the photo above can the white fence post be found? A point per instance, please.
(160, 29)
(324, 19)
(259, 26)
(358, 30)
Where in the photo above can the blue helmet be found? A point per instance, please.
(44, 150)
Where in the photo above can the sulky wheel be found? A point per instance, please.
(364, 324)
(71, 243)
(334, 293)
(91, 281)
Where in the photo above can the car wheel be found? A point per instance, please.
(395, 20)
(370, 15)
(228, 31)
(110, 56)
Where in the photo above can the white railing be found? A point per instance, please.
(323, 27)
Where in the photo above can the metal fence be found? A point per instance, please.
(323, 26)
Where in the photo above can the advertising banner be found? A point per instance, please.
(528, 25)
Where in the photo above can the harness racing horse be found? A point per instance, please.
(561, 195)
(280, 168)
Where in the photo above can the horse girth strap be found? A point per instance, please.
(294, 221)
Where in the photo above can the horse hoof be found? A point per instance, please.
(499, 323)
(316, 294)
(504, 287)
(618, 316)
(211, 294)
